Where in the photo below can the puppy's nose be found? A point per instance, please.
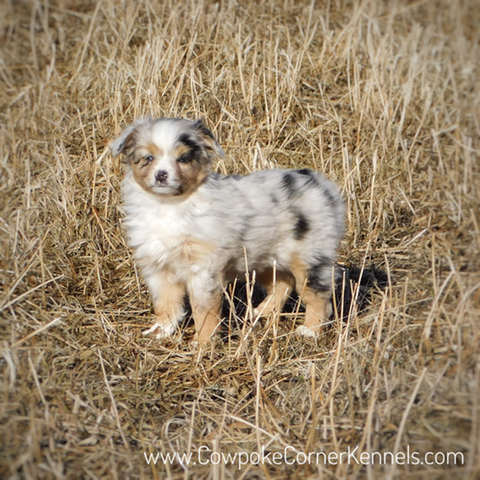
(161, 176)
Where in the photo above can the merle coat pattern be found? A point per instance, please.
(193, 231)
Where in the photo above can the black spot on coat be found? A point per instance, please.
(309, 177)
(302, 226)
(288, 183)
(320, 275)
(331, 199)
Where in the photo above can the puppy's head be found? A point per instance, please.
(168, 156)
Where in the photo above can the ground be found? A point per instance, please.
(383, 98)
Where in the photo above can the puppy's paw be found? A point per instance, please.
(259, 312)
(161, 330)
(264, 310)
(306, 331)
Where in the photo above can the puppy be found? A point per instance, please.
(194, 231)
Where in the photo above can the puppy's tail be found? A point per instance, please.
(354, 285)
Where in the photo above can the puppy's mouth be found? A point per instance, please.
(166, 189)
(156, 187)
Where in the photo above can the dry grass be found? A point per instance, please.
(384, 97)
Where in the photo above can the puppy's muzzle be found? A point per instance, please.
(161, 177)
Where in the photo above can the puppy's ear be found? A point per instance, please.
(125, 141)
(208, 139)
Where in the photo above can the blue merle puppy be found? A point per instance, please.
(193, 231)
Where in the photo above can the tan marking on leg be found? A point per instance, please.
(316, 303)
(168, 307)
(316, 310)
(207, 317)
(277, 292)
(299, 271)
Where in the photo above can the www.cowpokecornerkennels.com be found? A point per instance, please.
(290, 456)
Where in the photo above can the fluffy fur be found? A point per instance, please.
(193, 231)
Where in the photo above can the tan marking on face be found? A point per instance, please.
(143, 170)
(180, 150)
(154, 150)
(142, 173)
(191, 175)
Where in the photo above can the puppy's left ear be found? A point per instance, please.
(208, 139)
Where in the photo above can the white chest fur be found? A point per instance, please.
(165, 232)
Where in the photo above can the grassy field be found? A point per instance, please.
(383, 97)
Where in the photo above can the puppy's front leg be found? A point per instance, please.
(207, 318)
(206, 301)
(168, 302)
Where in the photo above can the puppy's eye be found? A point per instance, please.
(185, 158)
(149, 158)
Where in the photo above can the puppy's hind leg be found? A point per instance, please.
(279, 286)
(314, 288)
(317, 308)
